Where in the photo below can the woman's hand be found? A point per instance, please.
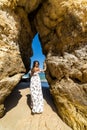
(44, 66)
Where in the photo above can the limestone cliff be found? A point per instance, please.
(15, 47)
(62, 28)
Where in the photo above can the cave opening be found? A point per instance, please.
(23, 86)
(37, 51)
(39, 56)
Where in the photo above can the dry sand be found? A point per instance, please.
(18, 113)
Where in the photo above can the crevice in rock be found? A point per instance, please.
(11, 75)
(31, 17)
(76, 80)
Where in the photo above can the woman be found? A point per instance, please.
(35, 89)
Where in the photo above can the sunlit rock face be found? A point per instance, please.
(62, 28)
(62, 24)
(15, 47)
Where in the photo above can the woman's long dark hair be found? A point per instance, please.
(35, 63)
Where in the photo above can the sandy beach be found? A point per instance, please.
(18, 113)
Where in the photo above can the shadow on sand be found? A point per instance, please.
(13, 99)
(47, 96)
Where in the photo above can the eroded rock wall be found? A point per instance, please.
(62, 25)
(15, 47)
(62, 28)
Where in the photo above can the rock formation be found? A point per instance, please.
(15, 48)
(62, 26)
(62, 29)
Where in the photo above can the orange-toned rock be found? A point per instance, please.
(62, 29)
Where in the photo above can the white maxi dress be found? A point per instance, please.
(36, 93)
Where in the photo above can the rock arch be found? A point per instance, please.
(62, 27)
